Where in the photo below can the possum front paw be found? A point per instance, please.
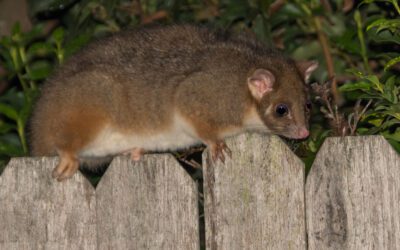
(67, 167)
(218, 150)
(135, 153)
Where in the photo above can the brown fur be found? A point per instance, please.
(136, 80)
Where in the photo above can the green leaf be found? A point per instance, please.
(395, 144)
(394, 136)
(6, 42)
(261, 29)
(362, 131)
(39, 70)
(392, 62)
(336, 25)
(26, 109)
(376, 122)
(34, 33)
(348, 41)
(58, 35)
(355, 72)
(76, 43)
(381, 107)
(8, 111)
(355, 86)
(392, 24)
(6, 127)
(13, 98)
(16, 29)
(390, 90)
(291, 10)
(389, 110)
(309, 50)
(384, 36)
(375, 81)
(40, 49)
(10, 145)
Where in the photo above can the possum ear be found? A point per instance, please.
(261, 82)
(306, 68)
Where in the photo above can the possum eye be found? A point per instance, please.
(281, 110)
(308, 105)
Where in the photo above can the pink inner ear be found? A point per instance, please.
(261, 83)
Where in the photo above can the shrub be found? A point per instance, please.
(357, 47)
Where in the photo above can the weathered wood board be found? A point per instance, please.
(253, 201)
(149, 204)
(37, 212)
(256, 199)
(353, 195)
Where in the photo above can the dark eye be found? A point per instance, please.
(281, 110)
(308, 105)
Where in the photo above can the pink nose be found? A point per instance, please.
(303, 133)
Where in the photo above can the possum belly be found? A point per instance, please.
(112, 142)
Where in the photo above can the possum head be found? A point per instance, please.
(282, 98)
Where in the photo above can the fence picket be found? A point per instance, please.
(150, 204)
(353, 195)
(256, 199)
(37, 212)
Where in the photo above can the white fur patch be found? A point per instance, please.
(179, 135)
(112, 142)
(253, 121)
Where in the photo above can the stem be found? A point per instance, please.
(323, 40)
(17, 67)
(360, 34)
(21, 134)
(24, 60)
(396, 6)
(357, 115)
(328, 105)
(60, 54)
(305, 8)
(276, 6)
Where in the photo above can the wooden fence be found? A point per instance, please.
(256, 200)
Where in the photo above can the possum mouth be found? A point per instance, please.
(297, 133)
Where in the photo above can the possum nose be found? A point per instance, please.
(303, 133)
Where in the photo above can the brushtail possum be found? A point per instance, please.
(167, 88)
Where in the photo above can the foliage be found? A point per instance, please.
(357, 47)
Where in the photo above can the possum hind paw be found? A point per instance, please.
(218, 151)
(135, 153)
(67, 167)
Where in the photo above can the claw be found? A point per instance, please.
(218, 151)
(67, 167)
(226, 149)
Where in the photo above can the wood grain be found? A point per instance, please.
(353, 195)
(253, 201)
(37, 212)
(150, 204)
(256, 199)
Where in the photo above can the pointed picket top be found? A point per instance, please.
(256, 199)
(149, 204)
(353, 195)
(37, 212)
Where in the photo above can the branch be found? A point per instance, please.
(328, 57)
(276, 6)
